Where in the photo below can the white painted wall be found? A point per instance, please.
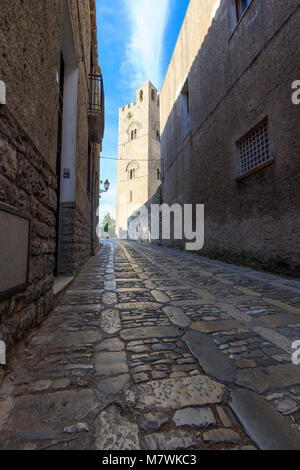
(68, 159)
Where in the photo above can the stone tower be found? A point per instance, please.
(139, 164)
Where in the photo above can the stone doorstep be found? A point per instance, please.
(60, 285)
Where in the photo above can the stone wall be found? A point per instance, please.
(239, 77)
(27, 183)
(30, 70)
(75, 239)
(28, 66)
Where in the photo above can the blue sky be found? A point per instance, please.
(136, 39)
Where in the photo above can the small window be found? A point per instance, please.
(130, 196)
(133, 134)
(254, 148)
(185, 110)
(158, 136)
(153, 95)
(141, 95)
(132, 174)
(158, 174)
(241, 6)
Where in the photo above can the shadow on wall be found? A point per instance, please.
(250, 221)
(140, 220)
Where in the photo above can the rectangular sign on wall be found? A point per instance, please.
(14, 250)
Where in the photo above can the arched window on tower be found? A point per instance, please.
(130, 196)
(132, 135)
(132, 169)
(141, 95)
(135, 133)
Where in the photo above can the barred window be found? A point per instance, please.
(254, 148)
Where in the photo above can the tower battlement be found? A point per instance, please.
(143, 96)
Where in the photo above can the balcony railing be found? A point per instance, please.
(96, 107)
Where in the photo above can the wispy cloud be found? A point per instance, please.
(148, 21)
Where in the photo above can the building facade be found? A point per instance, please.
(230, 131)
(139, 167)
(51, 129)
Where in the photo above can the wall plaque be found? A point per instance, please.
(14, 250)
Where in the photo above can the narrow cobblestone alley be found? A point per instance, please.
(152, 348)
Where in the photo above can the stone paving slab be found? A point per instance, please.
(268, 429)
(147, 350)
(211, 359)
(170, 394)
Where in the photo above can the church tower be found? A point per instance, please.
(139, 165)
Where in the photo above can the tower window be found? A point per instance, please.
(130, 196)
(133, 134)
(153, 95)
(141, 95)
(132, 174)
(158, 173)
(158, 136)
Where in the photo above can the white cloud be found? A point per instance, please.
(148, 20)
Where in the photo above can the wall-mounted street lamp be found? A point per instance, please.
(106, 187)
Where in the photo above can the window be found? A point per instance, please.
(133, 134)
(153, 95)
(132, 169)
(158, 173)
(254, 148)
(185, 110)
(141, 95)
(130, 196)
(158, 136)
(241, 6)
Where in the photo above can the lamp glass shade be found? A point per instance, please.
(106, 185)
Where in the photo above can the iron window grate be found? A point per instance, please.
(254, 148)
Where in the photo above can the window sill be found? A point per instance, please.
(255, 170)
(240, 20)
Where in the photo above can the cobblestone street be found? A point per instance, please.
(152, 348)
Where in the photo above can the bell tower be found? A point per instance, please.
(139, 163)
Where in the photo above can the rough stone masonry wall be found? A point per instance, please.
(75, 239)
(28, 184)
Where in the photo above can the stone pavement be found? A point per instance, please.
(152, 348)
